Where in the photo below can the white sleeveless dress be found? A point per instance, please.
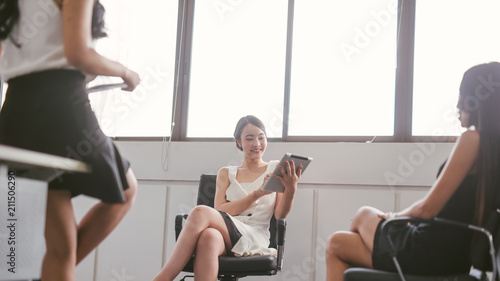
(253, 223)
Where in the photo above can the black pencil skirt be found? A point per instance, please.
(423, 249)
(50, 112)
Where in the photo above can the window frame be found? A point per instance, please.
(403, 83)
(403, 86)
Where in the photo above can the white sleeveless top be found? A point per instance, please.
(39, 34)
(253, 223)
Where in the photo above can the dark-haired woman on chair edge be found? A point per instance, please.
(464, 191)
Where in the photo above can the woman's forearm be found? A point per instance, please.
(76, 25)
(284, 205)
(418, 210)
(237, 207)
(91, 62)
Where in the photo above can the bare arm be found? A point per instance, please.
(235, 207)
(462, 158)
(284, 201)
(76, 19)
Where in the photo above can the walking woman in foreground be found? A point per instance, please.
(45, 59)
(239, 223)
(463, 191)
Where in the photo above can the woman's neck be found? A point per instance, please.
(253, 164)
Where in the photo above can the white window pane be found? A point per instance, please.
(343, 68)
(141, 35)
(238, 66)
(450, 37)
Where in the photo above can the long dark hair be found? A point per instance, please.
(480, 97)
(9, 16)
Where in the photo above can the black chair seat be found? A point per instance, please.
(253, 265)
(364, 274)
(232, 268)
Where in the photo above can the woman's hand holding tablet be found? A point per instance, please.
(274, 183)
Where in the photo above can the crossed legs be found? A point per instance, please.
(68, 243)
(352, 248)
(204, 233)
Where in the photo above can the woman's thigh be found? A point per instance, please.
(60, 224)
(365, 223)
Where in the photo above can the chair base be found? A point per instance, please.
(186, 276)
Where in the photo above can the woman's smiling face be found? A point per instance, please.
(253, 141)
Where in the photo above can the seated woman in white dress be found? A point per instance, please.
(239, 223)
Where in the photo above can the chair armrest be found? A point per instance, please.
(436, 221)
(281, 224)
(405, 220)
(178, 223)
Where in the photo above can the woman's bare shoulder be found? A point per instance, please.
(466, 148)
(223, 173)
(469, 138)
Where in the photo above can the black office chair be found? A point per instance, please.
(233, 268)
(484, 258)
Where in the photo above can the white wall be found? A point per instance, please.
(342, 178)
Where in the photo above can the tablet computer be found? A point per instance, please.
(274, 184)
(105, 87)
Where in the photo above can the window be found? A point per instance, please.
(237, 66)
(312, 70)
(148, 47)
(450, 37)
(343, 68)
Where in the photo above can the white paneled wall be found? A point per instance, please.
(134, 250)
(342, 178)
(299, 238)
(181, 200)
(336, 209)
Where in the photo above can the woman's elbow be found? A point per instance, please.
(280, 214)
(426, 212)
(77, 58)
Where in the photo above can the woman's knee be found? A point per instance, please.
(200, 212)
(364, 213)
(211, 240)
(367, 211)
(349, 248)
(335, 243)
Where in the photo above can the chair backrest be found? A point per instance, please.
(206, 190)
(206, 195)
